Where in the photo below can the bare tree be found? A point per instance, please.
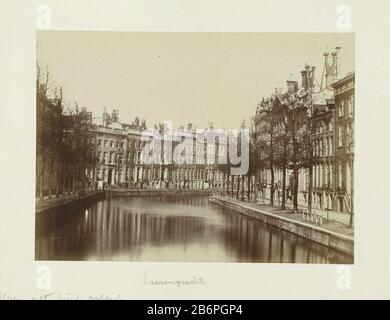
(266, 121)
(282, 150)
(255, 162)
(63, 140)
(49, 133)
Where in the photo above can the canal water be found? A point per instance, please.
(169, 229)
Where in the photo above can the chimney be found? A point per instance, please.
(337, 73)
(334, 63)
(304, 75)
(331, 72)
(292, 86)
(327, 69)
(106, 119)
(189, 127)
(114, 116)
(311, 79)
(326, 55)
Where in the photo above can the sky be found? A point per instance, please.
(185, 78)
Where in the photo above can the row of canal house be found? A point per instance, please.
(120, 158)
(330, 116)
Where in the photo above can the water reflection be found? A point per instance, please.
(169, 229)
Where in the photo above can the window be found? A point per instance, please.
(320, 170)
(330, 146)
(104, 157)
(105, 143)
(318, 147)
(349, 134)
(314, 175)
(111, 143)
(340, 175)
(328, 175)
(348, 177)
(351, 105)
(340, 135)
(100, 142)
(341, 108)
(326, 144)
(352, 134)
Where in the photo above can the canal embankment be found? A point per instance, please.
(90, 196)
(68, 200)
(155, 192)
(331, 234)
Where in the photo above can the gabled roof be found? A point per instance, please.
(321, 97)
(347, 77)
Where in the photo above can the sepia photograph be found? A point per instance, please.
(194, 157)
(195, 147)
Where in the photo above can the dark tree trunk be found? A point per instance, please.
(227, 184)
(249, 188)
(255, 189)
(223, 183)
(310, 189)
(272, 185)
(59, 178)
(73, 180)
(41, 186)
(242, 188)
(284, 188)
(238, 188)
(232, 188)
(352, 209)
(51, 173)
(295, 190)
